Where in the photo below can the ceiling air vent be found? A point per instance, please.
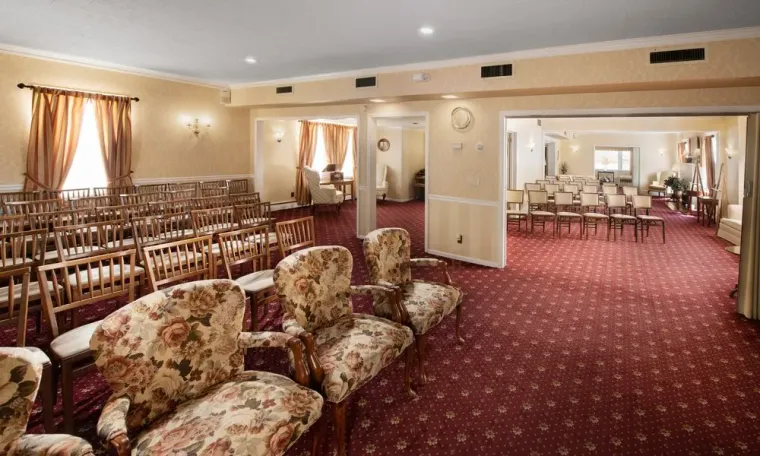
(284, 89)
(496, 71)
(677, 55)
(370, 81)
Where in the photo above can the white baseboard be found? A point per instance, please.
(284, 205)
(397, 200)
(490, 264)
(11, 187)
(166, 180)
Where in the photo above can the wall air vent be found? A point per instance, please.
(496, 71)
(677, 55)
(284, 89)
(370, 81)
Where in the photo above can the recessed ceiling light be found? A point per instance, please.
(377, 100)
(250, 60)
(426, 30)
(449, 97)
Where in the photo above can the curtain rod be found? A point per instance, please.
(21, 85)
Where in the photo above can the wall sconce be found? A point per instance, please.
(662, 152)
(278, 135)
(532, 145)
(729, 153)
(575, 149)
(195, 124)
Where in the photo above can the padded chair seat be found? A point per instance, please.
(34, 292)
(83, 276)
(542, 213)
(568, 214)
(257, 281)
(257, 413)
(354, 348)
(257, 238)
(51, 256)
(516, 212)
(622, 217)
(426, 302)
(650, 217)
(39, 355)
(731, 223)
(595, 215)
(74, 342)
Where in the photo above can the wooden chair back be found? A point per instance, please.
(178, 195)
(182, 186)
(22, 249)
(81, 282)
(515, 197)
(213, 221)
(610, 189)
(249, 198)
(159, 229)
(295, 235)
(248, 245)
(642, 202)
(630, 192)
(211, 202)
(212, 184)
(12, 223)
(213, 191)
(80, 241)
(571, 188)
(615, 202)
(237, 186)
(542, 183)
(178, 261)
(551, 189)
(538, 197)
(253, 214)
(14, 309)
(590, 200)
(140, 198)
(172, 207)
(74, 193)
(50, 220)
(152, 188)
(113, 191)
(531, 187)
(28, 207)
(589, 188)
(7, 197)
(130, 211)
(563, 199)
(93, 202)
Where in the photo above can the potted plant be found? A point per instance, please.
(563, 168)
(677, 185)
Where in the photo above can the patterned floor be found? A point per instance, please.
(577, 347)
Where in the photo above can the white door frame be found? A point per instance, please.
(257, 159)
(372, 159)
(599, 112)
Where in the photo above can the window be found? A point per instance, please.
(320, 155)
(613, 159)
(87, 168)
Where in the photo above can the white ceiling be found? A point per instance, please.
(208, 40)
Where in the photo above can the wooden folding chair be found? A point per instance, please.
(294, 235)
(178, 261)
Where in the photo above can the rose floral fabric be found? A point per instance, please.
(314, 285)
(20, 376)
(426, 302)
(387, 252)
(355, 348)
(254, 413)
(168, 355)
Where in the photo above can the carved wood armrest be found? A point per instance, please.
(112, 424)
(315, 368)
(272, 339)
(386, 290)
(434, 262)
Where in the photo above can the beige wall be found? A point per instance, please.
(448, 171)
(529, 150)
(657, 152)
(393, 158)
(162, 146)
(414, 160)
(276, 179)
(734, 136)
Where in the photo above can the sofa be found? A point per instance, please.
(731, 225)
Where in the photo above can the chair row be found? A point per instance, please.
(564, 210)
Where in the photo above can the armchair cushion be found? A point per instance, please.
(426, 302)
(252, 413)
(354, 348)
(320, 194)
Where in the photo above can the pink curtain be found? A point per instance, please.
(114, 121)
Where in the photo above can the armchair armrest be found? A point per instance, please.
(112, 424)
(291, 326)
(434, 262)
(272, 339)
(390, 292)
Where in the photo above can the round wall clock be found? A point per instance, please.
(384, 145)
(461, 118)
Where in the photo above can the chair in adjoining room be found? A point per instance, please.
(658, 186)
(382, 181)
(22, 375)
(344, 349)
(629, 192)
(322, 194)
(591, 218)
(519, 215)
(250, 246)
(643, 203)
(616, 209)
(175, 362)
(388, 253)
(565, 216)
(538, 202)
(530, 187)
(551, 189)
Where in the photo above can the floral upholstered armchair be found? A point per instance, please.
(388, 255)
(344, 349)
(20, 376)
(174, 360)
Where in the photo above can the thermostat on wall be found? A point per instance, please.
(457, 145)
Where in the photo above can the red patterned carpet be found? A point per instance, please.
(577, 347)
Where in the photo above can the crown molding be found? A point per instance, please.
(107, 66)
(588, 48)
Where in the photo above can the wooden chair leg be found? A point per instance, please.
(67, 394)
(320, 428)
(408, 372)
(254, 312)
(339, 417)
(420, 340)
(460, 339)
(48, 393)
(663, 232)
